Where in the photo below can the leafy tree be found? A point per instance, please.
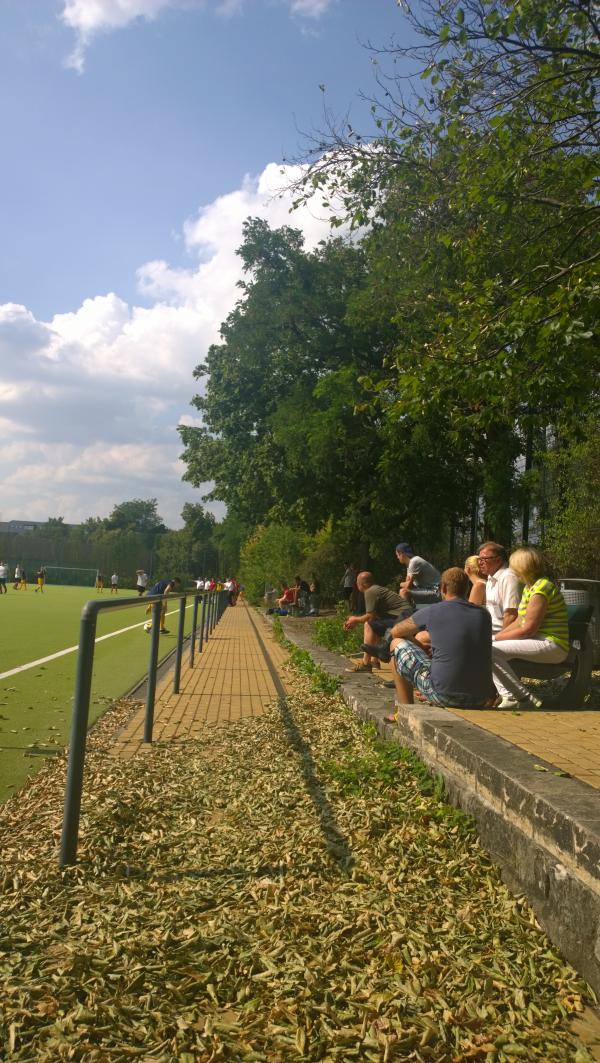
(282, 439)
(137, 515)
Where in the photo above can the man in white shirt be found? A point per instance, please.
(3, 577)
(502, 590)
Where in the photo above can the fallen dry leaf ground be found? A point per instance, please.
(286, 888)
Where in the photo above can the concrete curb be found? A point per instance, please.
(542, 829)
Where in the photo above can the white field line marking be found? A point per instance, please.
(72, 649)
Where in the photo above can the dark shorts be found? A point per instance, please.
(347, 593)
(381, 624)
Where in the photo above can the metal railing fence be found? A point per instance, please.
(211, 605)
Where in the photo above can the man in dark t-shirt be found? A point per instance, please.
(459, 638)
(383, 609)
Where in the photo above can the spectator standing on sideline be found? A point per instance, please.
(422, 583)
(141, 581)
(502, 589)
(3, 577)
(348, 581)
(164, 587)
(114, 583)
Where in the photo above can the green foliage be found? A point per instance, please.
(383, 766)
(390, 386)
(137, 515)
(328, 631)
(302, 662)
(574, 537)
(270, 557)
(321, 681)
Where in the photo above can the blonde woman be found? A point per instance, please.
(540, 633)
(478, 582)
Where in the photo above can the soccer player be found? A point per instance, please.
(164, 587)
(3, 577)
(99, 582)
(17, 577)
(40, 579)
(23, 583)
(114, 583)
(141, 581)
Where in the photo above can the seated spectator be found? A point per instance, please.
(422, 583)
(540, 633)
(301, 593)
(503, 590)
(383, 608)
(459, 671)
(287, 597)
(477, 595)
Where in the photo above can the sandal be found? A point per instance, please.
(360, 666)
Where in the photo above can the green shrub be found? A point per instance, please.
(329, 632)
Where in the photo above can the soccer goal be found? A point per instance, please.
(68, 576)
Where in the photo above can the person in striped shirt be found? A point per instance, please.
(540, 632)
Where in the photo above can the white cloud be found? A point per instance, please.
(90, 401)
(88, 18)
(310, 8)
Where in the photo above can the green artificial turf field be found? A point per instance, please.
(35, 705)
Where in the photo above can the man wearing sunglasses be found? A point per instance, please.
(502, 589)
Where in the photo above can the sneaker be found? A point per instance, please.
(509, 703)
(164, 631)
(530, 702)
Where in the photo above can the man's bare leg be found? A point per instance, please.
(404, 689)
(369, 638)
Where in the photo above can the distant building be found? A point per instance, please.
(15, 527)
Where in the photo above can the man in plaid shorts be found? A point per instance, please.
(444, 651)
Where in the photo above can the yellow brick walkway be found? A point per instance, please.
(230, 681)
(569, 740)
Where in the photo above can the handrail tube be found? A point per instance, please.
(193, 635)
(152, 666)
(200, 640)
(74, 783)
(179, 647)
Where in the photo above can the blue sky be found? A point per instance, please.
(138, 135)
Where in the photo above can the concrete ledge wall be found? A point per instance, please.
(541, 829)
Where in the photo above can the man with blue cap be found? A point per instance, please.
(422, 583)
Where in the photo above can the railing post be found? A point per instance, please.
(74, 784)
(179, 649)
(201, 639)
(152, 664)
(194, 625)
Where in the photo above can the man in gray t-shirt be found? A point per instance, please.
(422, 583)
(383, 609)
